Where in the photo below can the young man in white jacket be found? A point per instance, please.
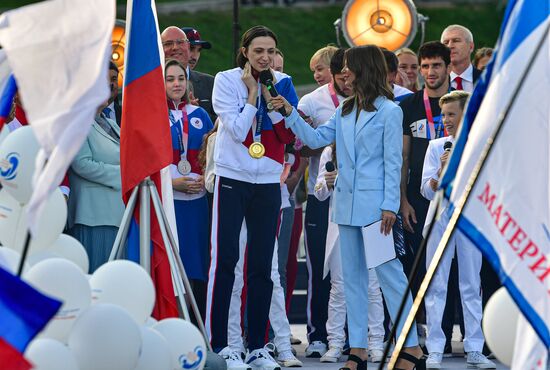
(469, 257)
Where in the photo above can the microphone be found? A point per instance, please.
(266, 78)
(329, 166)
(447, 146)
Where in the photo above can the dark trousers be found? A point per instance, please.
(318, 289)
(259, 205)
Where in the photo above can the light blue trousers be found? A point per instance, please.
(393, 283)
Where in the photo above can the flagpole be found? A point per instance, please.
(145, 225)
(463, 201)
(24, 254)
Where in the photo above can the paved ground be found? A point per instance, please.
(299, 331)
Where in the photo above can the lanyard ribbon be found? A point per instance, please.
(183, 132)
(431, 131)
(259, 116)
(333, 95)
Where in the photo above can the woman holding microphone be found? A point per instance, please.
(367, 129)
(248, 157)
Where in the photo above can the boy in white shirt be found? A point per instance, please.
(469, 257)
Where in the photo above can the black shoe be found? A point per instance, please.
(361, 364)
(448, 351)
(419, 363)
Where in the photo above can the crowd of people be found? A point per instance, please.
(363, 151)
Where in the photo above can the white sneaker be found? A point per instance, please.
(376, 355)
(260, 359)
(271, 349)
(288, 359)
(477, 360)
(233, 359)
(434, 360)
(316, 349)
(332, 355)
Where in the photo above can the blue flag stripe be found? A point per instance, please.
(24, 311)
(490, 254)
(142, 41)
(6, 99)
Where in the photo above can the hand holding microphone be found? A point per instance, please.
(277, 102)
(330, 175)
(447, 152)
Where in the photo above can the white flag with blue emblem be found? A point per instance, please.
(508, 213)
(59, 52)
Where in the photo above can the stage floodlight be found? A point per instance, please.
(118, 46)
(390, 24)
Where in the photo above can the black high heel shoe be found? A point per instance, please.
(419, 363)
(361, 364)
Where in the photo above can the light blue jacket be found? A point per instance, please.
(369, 159)
(94, 178)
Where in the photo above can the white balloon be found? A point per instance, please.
(63, 280)
(150, 322)
(18, 152)
(4, 133)
(40, 256)
(9, 260)
(155, 351)
(52, 222)
(105, 337)
(10, 214)
(125, 284)
(49, 354)
(50, 225)
(186, 343)
(499, 325)
(68, 247)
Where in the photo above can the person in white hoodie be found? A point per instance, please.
(249, 158)
(469, 257)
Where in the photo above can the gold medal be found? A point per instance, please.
(256, 150)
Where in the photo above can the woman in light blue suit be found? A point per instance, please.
(367, 129)
(95, 203)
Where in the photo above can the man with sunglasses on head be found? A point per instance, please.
(176, 45)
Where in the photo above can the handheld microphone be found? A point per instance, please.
(447, 146)
(329, 166)
(266, 78)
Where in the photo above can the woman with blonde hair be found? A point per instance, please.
(408, 69)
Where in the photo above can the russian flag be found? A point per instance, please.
(24, 312)
(8, 88)
(145, 146)
(505, 134)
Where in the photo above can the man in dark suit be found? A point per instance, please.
(113, 110)
(461, 42)
(202, 83)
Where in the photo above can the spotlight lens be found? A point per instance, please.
(116, 56)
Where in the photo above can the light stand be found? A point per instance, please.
(148, 191)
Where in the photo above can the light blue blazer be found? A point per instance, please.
(369, 159)
(94, 178)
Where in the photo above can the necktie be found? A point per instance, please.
(107, 111)
(458, 81)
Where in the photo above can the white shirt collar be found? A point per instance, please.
(467, 75)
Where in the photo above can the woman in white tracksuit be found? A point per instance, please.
(333, 263)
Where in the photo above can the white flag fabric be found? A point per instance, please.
(59, 52)
(508, 213)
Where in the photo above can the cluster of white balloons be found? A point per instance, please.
(104, 322)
